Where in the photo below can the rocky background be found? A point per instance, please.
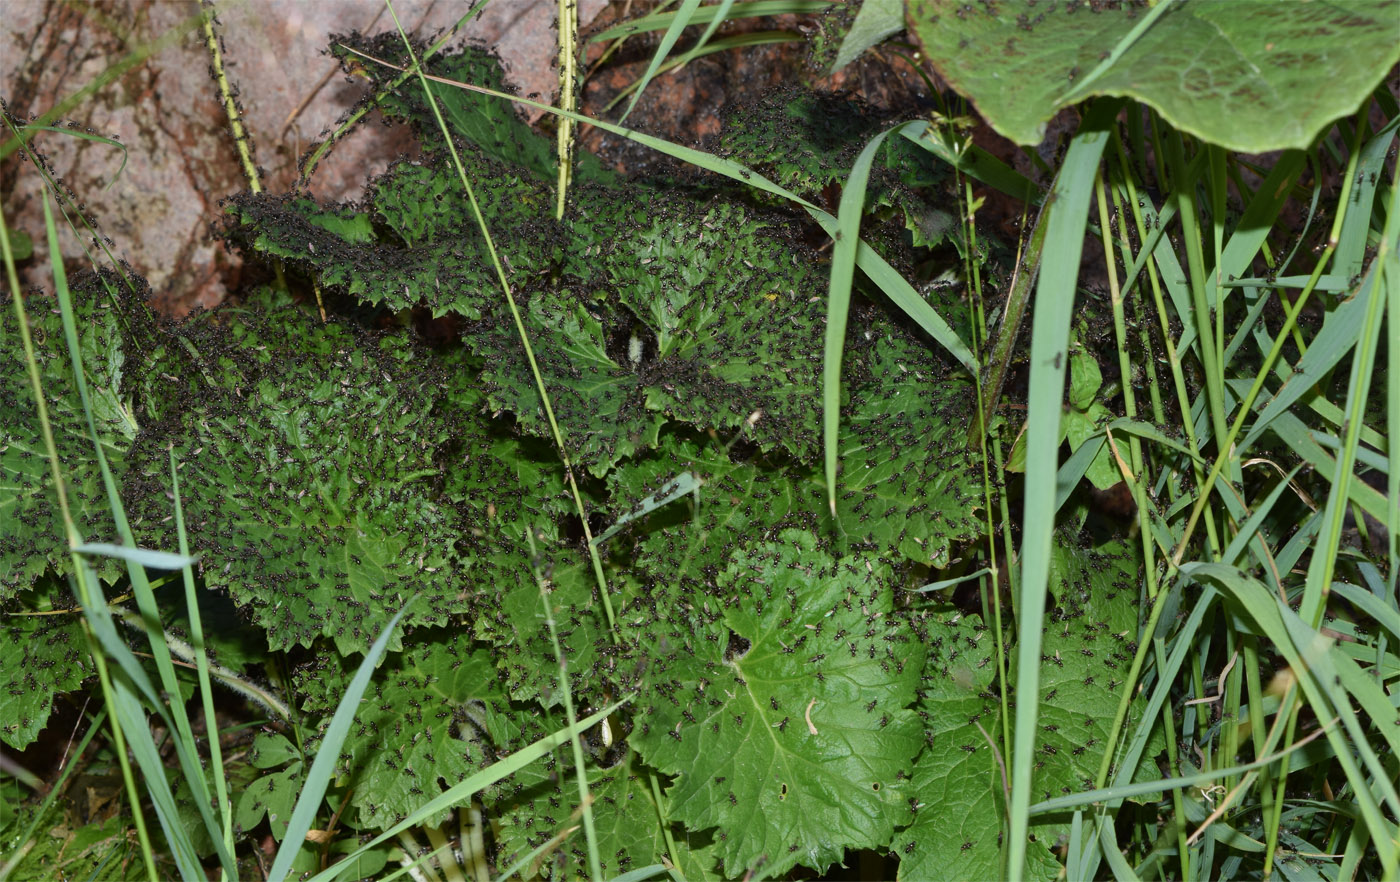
(138, 71)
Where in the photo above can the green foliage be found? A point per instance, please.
(787, 698)
(1087, 648)
(434, 714)
(43, 653)
(807, 143)
(32, 535)
(1241, 74)
(784, 716)
(341, 521)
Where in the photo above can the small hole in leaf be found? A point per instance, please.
(737, 647)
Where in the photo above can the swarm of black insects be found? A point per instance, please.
(332, 472)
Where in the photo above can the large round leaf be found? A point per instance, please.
(1249, 75)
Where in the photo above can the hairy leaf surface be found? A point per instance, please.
(31, 527)
(307, 471)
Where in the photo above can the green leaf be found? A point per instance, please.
(41, 657)
(957, 820)
(1241, 74)
(1089, 638)
(32, 536)
(598, 402)
(1078, 427)
(625, 819)
(876, 20)
(807, 143)
(271, 796)
(432, 715)
(308, 467)
(1085, 379)
(21, 243)
(738, 501)
(908, 484)
(490, 125)
(785, 717)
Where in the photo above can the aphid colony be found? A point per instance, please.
(329, 474)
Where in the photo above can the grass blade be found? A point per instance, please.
(705, 14)
(1068, 208)
(318, 779)
(838, 304)
(465, 790)
(144, 557)
(680, 20)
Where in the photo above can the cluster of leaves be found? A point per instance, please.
(799, 698)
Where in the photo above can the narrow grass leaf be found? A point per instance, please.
(1119, 792)
(465, 790)
(1340, 331)
(683, 484)
(145, 557)
(949, 583)
(206, 691)
(706, 14)
(1293, 432)
(131, 695)
(976, 163)
(1315, 672)
(642, 873)
(680, 21)
(838, 305)
(174, 713)
(1068, 215)
(736, 41)
(86, 136)
(1371, 605)
(318, 779)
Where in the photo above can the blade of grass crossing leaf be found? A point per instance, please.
(1119, 792)
(683, 484)
(641, 874)
(976, 163)
(82, 586)
(318, 779)
(1068, 215)
(174, 713)
(903, 295)
(128, 700)
(465, 790)
(679, 22)
(145, 557)
(1081, 86)
(585, 799)
(838, 304)
(206, 692)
